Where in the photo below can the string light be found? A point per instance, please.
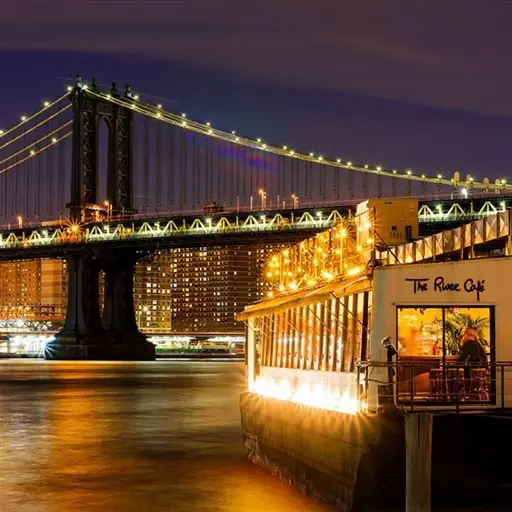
(23, 118)
(159, 106)
(408, 174)
(46, 104)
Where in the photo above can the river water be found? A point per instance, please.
(129, 437)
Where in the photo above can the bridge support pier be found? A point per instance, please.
(84, 335)
(119, 313)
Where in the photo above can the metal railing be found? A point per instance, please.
(453, 387)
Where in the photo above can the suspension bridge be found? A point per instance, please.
(101, 177)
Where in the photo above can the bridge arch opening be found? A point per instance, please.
(104, 157)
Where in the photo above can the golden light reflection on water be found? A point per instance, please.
(161, 436)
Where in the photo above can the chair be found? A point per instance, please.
(479, 384)
(436, 391)
(456, 389)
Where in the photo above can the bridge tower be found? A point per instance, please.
(86, 333)
(90, 109)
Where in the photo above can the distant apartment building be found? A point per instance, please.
(199, 290)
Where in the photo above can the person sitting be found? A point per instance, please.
(475, 358)
(472, 350)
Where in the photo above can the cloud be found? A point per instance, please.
(447, 54)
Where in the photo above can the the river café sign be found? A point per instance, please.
(440, 284)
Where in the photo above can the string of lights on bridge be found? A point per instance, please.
(158, 113)
(35, 148)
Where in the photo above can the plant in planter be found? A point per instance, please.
(456, 324)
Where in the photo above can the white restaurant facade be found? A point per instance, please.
(447, 320)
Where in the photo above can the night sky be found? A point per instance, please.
(404, 84)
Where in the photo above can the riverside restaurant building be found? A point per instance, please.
(367, 315)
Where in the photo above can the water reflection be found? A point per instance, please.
(161, 436)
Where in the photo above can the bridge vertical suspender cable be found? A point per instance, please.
(158, 165)
(184, 167)
(145, 152)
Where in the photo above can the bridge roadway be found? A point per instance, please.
(222, 228)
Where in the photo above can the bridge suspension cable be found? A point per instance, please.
(34, 153)
(36, 142)
(32, 128)
(182, 121)
(25, 119)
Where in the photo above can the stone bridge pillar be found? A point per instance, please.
(84, 335)
(119, 313)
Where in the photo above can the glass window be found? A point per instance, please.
(446, 351)
(420, 331)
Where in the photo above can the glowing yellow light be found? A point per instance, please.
(32, 152)
(503, 182)
(366, 166)
(158, 114)
(359, 248)
(293, 285)
(208, 123)
(183, 114)
(23, 118)
(136, 97)
(369, 241)
(75, 228)
(69, 88)
(320, 158)
(423, 176)
(46, 104)
(313, 394)
(327, 275)
(353, 271)
(311, 154)
(311, 282)
(343, 233)
(394, 171)
(270, 294)
(338, 160)
(269, 274)
(379, 168)
(285, 147)
(409, 173)
(159, 106)
(292, 152)
(237, 139)
(264, 146)
(1, 132)
(470, 178)
(210, 132)
(439, 176)
(281, 288)
(349, 164)
(258, 140)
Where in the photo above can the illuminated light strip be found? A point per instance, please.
(27, 119)
(31, 129)
(47, 136)
(35, 153)
(123, 232)
(205, 129)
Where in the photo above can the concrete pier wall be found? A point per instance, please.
(330, 456)
(357, 463)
